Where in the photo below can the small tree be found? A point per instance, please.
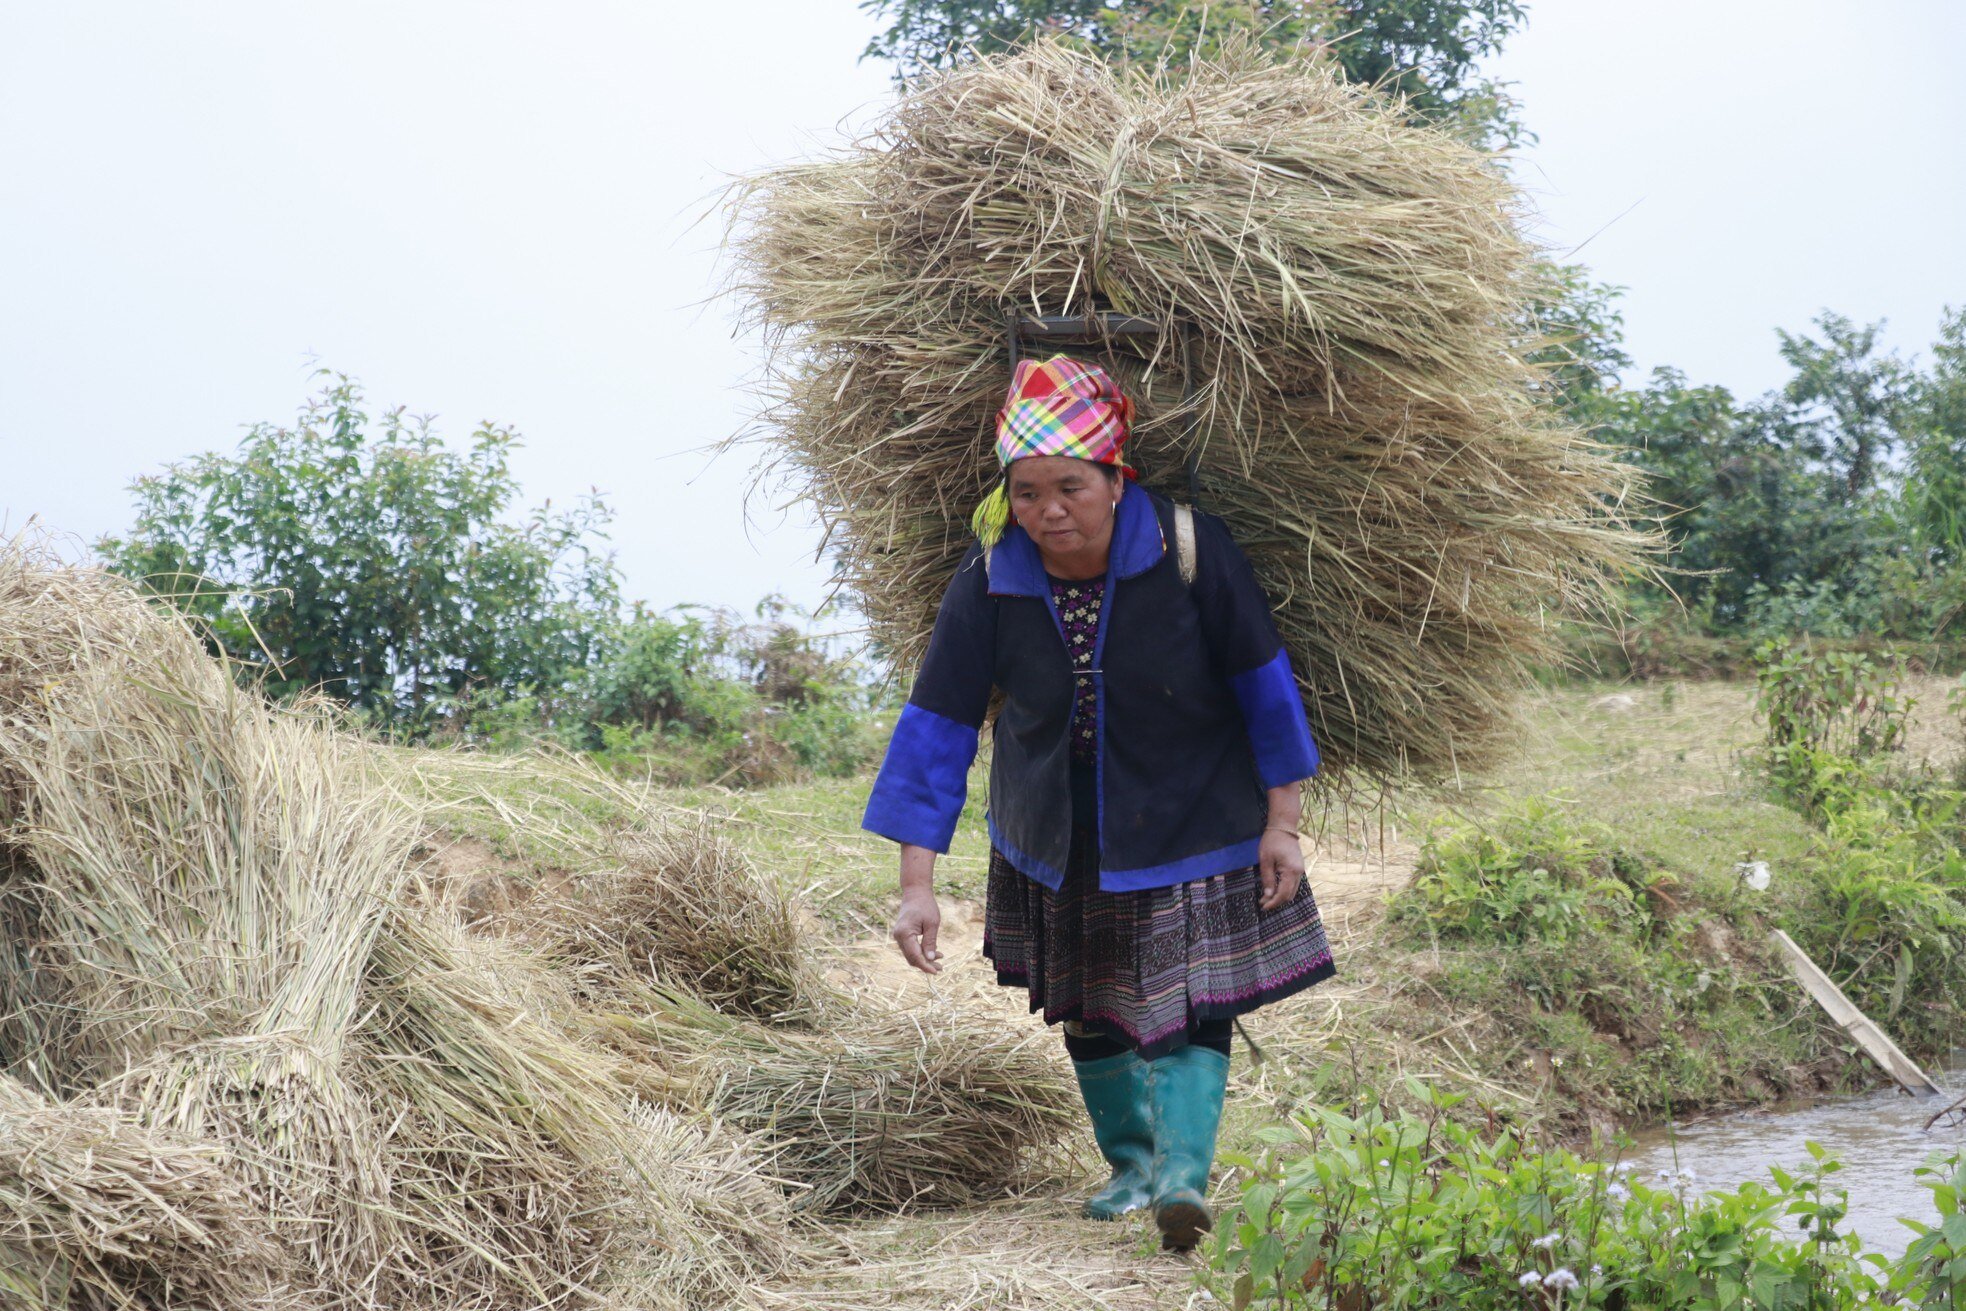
(1425, 50)
(376, 566)
(1935, 429)
(1849, 398)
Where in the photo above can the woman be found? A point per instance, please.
(1146, 874)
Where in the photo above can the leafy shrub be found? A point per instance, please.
(1839, 703)
(696, 694)
(1530, 876)
(1424, 1212)
(372, 563)
(1887, 917)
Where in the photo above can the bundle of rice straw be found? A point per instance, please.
(679, 901)
(89, 1199)
(203, 900)
(870, 1109)
(1364, 417)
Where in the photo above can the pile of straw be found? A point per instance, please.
(1364, 417)
(679, 902)
(869, 1109)
(247, 1061)
(204, 898)
(90, 1200)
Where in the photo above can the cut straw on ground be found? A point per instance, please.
(252, 1057)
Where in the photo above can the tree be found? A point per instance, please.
(1849, 399)
(376, 566)
(1577, 335)
(1752, 508)
(1424, 50)
(1935, 432)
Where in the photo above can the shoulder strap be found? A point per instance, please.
(1184, 542)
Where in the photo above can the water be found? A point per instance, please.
(1878, 1136)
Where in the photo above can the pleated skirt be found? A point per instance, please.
(1146, 967)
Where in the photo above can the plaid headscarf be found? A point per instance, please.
(1059, 406)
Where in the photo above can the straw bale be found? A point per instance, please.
(1356, 288)
(680, 901)
(304, 1144)
(720, 1227)
(869, 1109)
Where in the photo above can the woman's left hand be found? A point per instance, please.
(1280, 864)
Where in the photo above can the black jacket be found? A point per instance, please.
(1198, 711)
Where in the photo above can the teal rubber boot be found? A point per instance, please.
(1115, 1092)
(1184, 1091)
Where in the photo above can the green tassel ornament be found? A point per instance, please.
(992, 517)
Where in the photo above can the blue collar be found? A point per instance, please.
(1016, 568)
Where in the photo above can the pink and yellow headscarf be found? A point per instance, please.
(1059, 406)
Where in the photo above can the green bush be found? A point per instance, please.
(367, 560)
(1424, 1212)
(1529, 876)
(1887, 913)
(695, 695)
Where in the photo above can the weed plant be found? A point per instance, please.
(1887, 914)
(1425, 1211)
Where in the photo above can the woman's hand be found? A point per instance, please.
(915, 927)
(1280, 854)
(1280, 864)
(919, 919)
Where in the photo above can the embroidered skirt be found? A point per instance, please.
(1146, 967)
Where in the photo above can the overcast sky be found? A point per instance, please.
(489, 211)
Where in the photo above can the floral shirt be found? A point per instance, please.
(1078, 610)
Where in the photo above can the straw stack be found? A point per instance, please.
(1363, 415)
(245, 1061)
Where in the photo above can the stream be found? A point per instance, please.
(1879, 1137)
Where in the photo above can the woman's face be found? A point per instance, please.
(1065, 505)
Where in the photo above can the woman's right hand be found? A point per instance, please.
(915, 927)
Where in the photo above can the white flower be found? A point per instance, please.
(1560, 1279)
(1546, 1242)
(1530, 1279)
(1597, 1272)
(1754, 873)
(1617, 1192)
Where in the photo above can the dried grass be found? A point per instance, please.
(218, 944)
(678, 901)
(1366, 420)
(246, 1061)
(870, 1109)
(97, 1208)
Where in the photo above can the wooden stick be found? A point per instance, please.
(1857, 1024)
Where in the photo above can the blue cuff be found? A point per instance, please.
(1274, 713)
(918, 795)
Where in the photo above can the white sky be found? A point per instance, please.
(483, 210)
